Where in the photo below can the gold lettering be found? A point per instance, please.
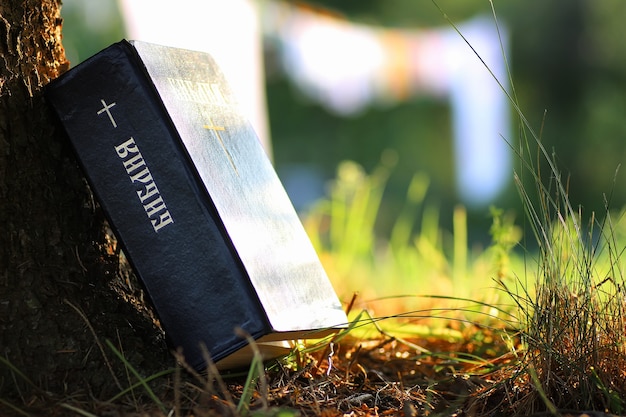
(154, 206)
(163, 220)
(217, 94)
(142, 176)
(133, 161)
(127, 147)
(177, 89)
(205, 90)
(203, 93)
(149, 190)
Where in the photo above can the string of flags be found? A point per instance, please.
(348, 67)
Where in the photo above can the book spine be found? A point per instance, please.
(167, 225)
(291, 283)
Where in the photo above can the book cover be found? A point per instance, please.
(194, 201)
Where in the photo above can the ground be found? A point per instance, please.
(379, 376)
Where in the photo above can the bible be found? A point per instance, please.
(195, 202)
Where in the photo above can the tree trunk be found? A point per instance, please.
(61, 291)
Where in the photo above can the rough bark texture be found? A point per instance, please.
(61, 295)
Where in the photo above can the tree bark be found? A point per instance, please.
(61, 290)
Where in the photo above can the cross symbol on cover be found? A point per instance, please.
(107, 109)
(217, 129)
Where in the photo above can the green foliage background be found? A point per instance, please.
(569, 66)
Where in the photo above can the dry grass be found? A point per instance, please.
(381, 376)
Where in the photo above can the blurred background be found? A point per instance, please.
(391, 84)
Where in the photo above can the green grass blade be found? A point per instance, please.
(142, 381)
(542, 393)
(16, 371)
(14, 408)
(249, 387)
(78, 410)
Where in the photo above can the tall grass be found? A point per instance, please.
(569, 290)
(419, 270)
(574, 324)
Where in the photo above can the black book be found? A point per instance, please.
(194, 201)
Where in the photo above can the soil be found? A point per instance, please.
(374, 377)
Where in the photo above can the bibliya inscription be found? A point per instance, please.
(139, 173)
(197, 92)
